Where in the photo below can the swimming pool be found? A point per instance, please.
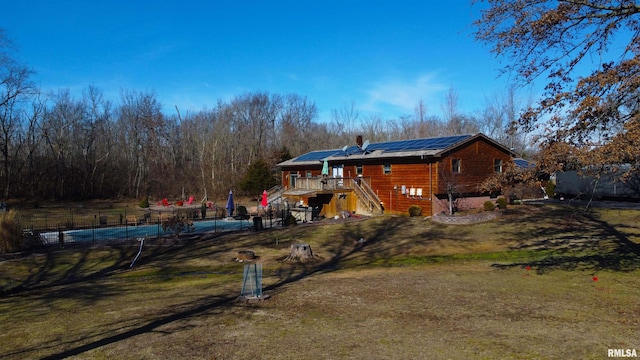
(139, 231)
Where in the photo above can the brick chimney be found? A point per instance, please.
(359, 140)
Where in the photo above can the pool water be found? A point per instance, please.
(139, 231)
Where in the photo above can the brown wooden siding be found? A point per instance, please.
(300, 171)
(389, 186)
(477, 161)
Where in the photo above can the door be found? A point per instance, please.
(338, 173)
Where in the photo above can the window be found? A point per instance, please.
(308, 173)
(497, 165)
(455, 166)
(386, 168)
(358, 169)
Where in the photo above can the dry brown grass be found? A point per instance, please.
(51, 213)
(416, 290)
(10, 232)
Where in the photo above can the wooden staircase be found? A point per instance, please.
(367, 197)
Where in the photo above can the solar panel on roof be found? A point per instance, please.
(523, 163)
(387, 146)
(418, 144)
(352, 150)
(317, 155)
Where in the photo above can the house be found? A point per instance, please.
(392, 176)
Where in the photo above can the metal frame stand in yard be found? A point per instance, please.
(141, 240)
(252, 283)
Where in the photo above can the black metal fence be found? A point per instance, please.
(100, 228)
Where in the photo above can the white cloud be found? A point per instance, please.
(402, 96)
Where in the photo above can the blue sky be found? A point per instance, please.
(384, 56)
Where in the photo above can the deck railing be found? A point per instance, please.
(360, 186)
(323, 183)
(367, 196)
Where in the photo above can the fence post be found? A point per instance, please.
(60, 236)
(126, 227)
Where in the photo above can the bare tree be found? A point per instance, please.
(450, 110)
(60, 125)
(197, 130)
(500, 119)
(97, 146)
(451, 185)
(457, 123)
(373, 128)
(32, 178)
(294, 124)
(16, 88)
(425, 125)
(344, 121)
(142, 129)
(254, 116)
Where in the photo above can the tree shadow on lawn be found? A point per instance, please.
(206, 305)
(576, 239)
(87, 288)
(83, 264)
(46, 274)
(402, 238)
(200, 307)
(616, 252)
(80, 265)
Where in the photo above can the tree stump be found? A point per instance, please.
(246, 255)
(301, 253)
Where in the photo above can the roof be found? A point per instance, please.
(388, 149)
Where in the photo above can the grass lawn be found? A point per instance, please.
(540, 282)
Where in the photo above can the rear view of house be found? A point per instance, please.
(392, 176)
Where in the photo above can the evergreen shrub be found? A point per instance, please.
(144, 203)
(502, 203)
(489, 206)
(415, 210)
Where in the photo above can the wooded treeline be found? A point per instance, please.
(65, 147)
(61, 146)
